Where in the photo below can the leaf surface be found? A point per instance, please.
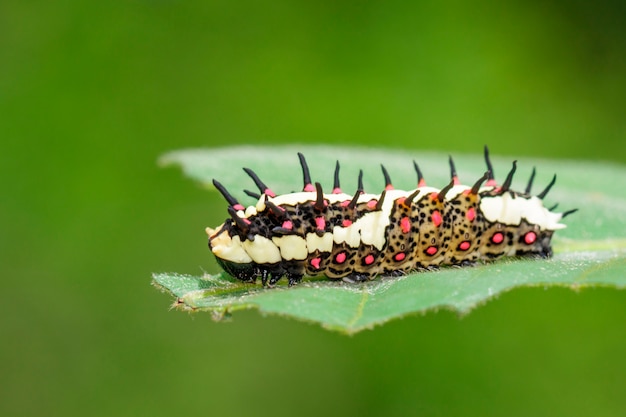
(591, 251)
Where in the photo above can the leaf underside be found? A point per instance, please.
(591, 251)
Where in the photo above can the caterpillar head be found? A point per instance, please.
(229, 252)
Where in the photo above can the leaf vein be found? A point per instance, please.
(585, 273)
(359, 309)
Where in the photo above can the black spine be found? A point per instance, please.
(231, 200)
(257, 181)
(379, 204)
(452, 167)
(568, 212)
(420, 177)
(319, 202)
(509, 179)
(409, 200)
(476, 186)
(275, 210)
(542, 194)
(241, 224)
(252, 194)
(530, 181)
(442, 194)
(352, 204)
(306, 175)
(386, 175)
(488, 162)
(336, 177)
(360, 182)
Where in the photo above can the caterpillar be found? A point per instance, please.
(358, 237)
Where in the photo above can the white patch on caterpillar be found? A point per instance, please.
(227, 248)
(510, 211)
(349, 235)
(540, 212)
(370, 228)
(262, 250)
(250, 211)
(294, 199)
(456, 190)
(303, 197)
(322, 243)
(260, 205)
(291, 247)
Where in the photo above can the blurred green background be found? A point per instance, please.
(91, 93)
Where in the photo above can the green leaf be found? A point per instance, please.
(591, 251)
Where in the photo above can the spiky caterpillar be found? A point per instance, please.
(357, 237)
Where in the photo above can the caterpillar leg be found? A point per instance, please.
(265, 274)
(294, 279)
(274, 278)
(465, 264)
(396, 273)
(356, 277)
(427, 268)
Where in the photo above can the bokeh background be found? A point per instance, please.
(91, 93)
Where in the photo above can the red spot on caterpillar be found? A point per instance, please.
(287, 224)
(491, 183)
(269, 193)
(345, 203)
(421, 183)
(471, 214)
(369, 259)
(432, 250)
(315, 262)
(456, 180)
(239, 207)
(399, 256)
(436, 216)
(340, 257)
(346, 223)
(401, 201)
(530, 238)
(389, 187)
(309, 188)
(434, 196)
(246, 221)
(320, 222)
(405, 224)
(497, 238)
(465, 245)
(337, 190)
(372, 204)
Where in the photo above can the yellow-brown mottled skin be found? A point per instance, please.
(463, 229)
